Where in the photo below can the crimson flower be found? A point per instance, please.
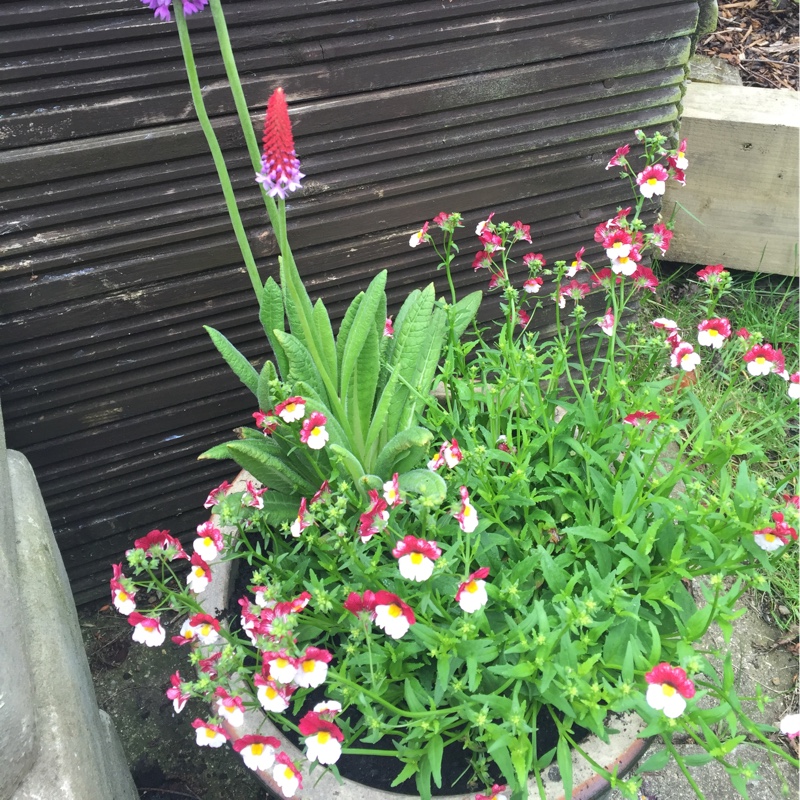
(280, 167)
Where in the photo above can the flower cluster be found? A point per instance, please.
(160, 8)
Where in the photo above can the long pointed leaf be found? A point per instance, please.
(268, 469)
(264, 393)
(360, 396)
(466, 309)
(272, 318)
(243, 369)
(301, 364)
(327, 345)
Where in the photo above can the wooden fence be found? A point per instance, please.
(116, 246)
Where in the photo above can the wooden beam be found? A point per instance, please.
(742, 181)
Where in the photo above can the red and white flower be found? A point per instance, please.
(790, 726)
(661, 237)
(328, 708)
(301, 522)
(523, 317)
(652, 180)
(644, 278)
(534, 260)
(626, 264)
(229, 708)
(209, 543)
(618, 243)
(637, 417)
(267, 423)
(574, 290)
(420, 236)
(253, 497)
(209, 735)
(312, 668)
(617, 160)
(216, 495)
(257, 752)
(481, 226)
(684, 356)
(606, 323)
(388, 328)
(121, 593)
(774, 538)
(286, 774)
(199, 575)
(713, 332)
(291, 409)
(449, 453)
(665, 324)
(669, 689)
(146, 630)
(712, 274)
(200, 627)
(577, 265)
(176, 693)
(323, 738)
(157, 542)
(467, 516)
(313, 432)
(391, 492)
(392, 615)
(471, 594)
(763, 359)
(532, 285)
(415, 558)
(272, 696)
(374, 519)
(679, 160)
(282, 667)
(794, 386)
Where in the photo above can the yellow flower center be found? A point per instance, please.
(652, 181)
(290, 407)
(770, 537)
(207, 541)
(315, 432)
(471, 587)
(121, 596)
(199, 572)
(761, 360)
(667, 689)
(395, 610)
(416, 558)
(271, 692)
(712, 332)
(205, 630)
(257, 749)
(288, 773)
(467, 510)
(280, 663)
(308, 666)
(210, 734)
(323, 737)
(617, 244)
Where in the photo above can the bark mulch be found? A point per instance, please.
(760, 38)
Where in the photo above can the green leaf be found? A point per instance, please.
(350, 462)
(219, 452)
(424, 483)
(268, 469)
(325, 340)
(434, 750)
(466, 309)
(272, 318)
(397, 446)
(359, 397)
(345, 326)
(423, 780)
(296, 302)
(564, 760)
(693, 759)
(264, 394)
(405, 773)
(301, 364)
(242, 368)
(657, 761)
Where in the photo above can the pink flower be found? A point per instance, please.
(207, 665)
(533, 260)
(209, 543)
(577, 265)
(415, 558)
(481, 227)
(199, 575)
(482, 260)
(467, 516)
(669, 689)
(678, 161)
(201, 627)
(388, 328)
(176, 693)
(792, 500)
(532, 285)
(271, 696)
(637, 416)
(420, 236)
(499, 791)
(606, 323)
(252, 497)
(684, 356)
(121, 593)
(280, 167)
(661, 237)
(266, 422)
(328, 708)
(743, 333)
(358, 604)
(291, 409)
(322, 494)
(763, 359)
(323, 738)
(713, 332)
(644, 278)
(258, 752)
(449, 453)
(604, 277)
(471, 594)
(373, 520)
(652, 180)
(794, 386)
(712, 274)
(229, 708)
(391, 492)
(157, 541)
(522, 232)
(392, 615)
(448, 222)
(146, 630)
(790, 726)
(312, 668)
(217, 494)
(574, 290)
(618, 159)
(524, 318)
(210, 735)
(286, 775)
(302, 521)
(491, 241)
(627, 264)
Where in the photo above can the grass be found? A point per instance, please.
(767, 304)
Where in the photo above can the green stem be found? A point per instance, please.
(216, 151)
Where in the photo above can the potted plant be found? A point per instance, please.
(489, 571)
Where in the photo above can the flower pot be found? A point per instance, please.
(622, 751)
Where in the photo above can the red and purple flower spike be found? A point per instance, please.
(161, 7)
(280, 167)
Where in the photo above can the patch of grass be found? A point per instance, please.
(765, 304)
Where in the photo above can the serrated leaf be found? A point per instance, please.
(325, 340)
(217, 453)
(241, 367)
(465, 310)
(267, 468)
(272, 318)
(301, 364)
(434, 750)
(264, 394)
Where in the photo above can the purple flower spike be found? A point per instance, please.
(161, 7)
(280, 167)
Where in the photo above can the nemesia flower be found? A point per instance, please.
(209, 735)
(767, 539)
(467, 517)
(763, 359)
(146, 630)
(374, 518)
(482, 260)
(665, 324)
(281, 666)
(388, 328)
(272, 696)
(481, 226)
(199, 575)
(627, 264)
(176, 693)
(313, 432)
(217, 494)
(743, 333)
(471, 594)
(574, 290)
(713, 332)
(161, 7)
(419, 236)
(209, 543)
(328, 708)
(449, 453)
(652, 181)
(577, 265)
(669, 689)
(121, 595)
(292, 409)
(301, 522)
(491, 241)
(617, 221)
(229, 708)
(532, 285)
(202, 626)
(661, 237)
(280, 167)
(679, 160)
(533, 260)
(286, 775)
(712, 274)
(524, 317)
(448, 222)
(782, 529)
(794, 386)
(323, 739)
(637, 416)
(252, 497)
(392, 615)
(792, 500)
(207, 665)
(266, 422)
(498, 791)
(502, 444)
(644, 278)
(618, 243)
(495, 280)
(357, 604)
(684, 356)
(322, 493)
(391, 492)
(790, 726)
(606, 323)
(160, 539)
(257, 752)
(618, 159)
(415, 558)
(312, 667)
(604, 277)
(521, 232)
